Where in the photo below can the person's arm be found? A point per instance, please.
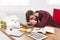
(43, 21)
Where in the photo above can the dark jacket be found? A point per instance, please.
(45, 19)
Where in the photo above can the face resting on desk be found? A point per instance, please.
(32, 20)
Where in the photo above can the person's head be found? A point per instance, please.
(36, 14)
(30, 15)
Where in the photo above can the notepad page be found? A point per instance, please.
(49, 29)
(15, 33)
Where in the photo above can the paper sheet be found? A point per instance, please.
(44, 30)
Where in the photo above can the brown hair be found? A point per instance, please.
(28, 13)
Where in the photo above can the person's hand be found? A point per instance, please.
(33, 22)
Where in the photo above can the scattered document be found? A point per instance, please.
(15, 32)
(36, 30)
(44, 30)
(49, 29)
(3, 36)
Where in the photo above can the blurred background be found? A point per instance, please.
(19, 7)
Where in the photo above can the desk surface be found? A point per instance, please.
(55, 36)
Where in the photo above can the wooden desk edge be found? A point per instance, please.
(7, 35)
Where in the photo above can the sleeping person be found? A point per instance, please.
(40, 19)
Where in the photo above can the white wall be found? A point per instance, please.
(21, 10)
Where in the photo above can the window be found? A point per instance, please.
(54, 2)
(14, 2)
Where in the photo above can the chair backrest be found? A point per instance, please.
(56, 16)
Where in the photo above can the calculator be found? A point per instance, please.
(37, 36)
